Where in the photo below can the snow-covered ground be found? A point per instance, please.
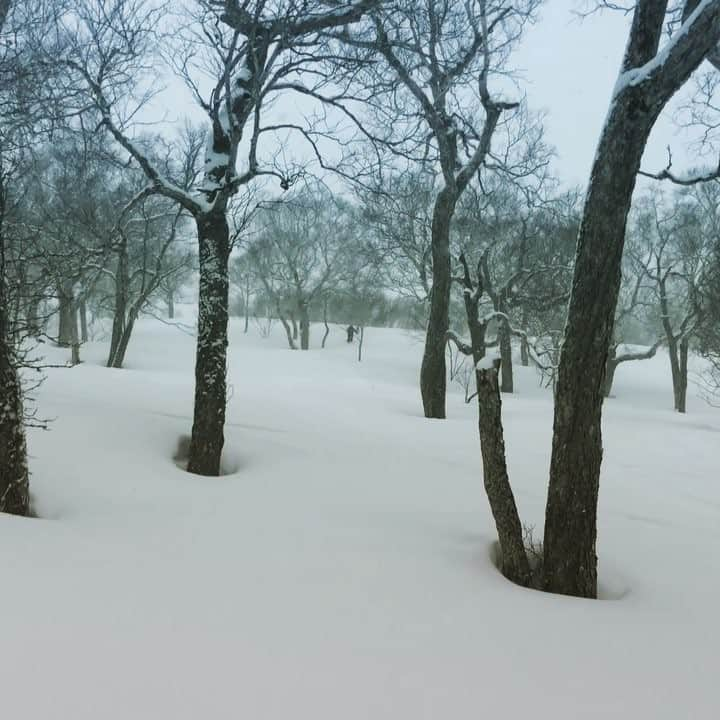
(342, 571)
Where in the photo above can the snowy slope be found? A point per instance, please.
(343, 572)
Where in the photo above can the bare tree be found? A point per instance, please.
(430, 85)
(249, 51)
(648, 78)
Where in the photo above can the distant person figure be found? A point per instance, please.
(350, 333)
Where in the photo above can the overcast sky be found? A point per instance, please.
(571, 65)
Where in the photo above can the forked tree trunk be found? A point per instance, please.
(433, 379)
(513, 561)
(506, 367)
(570, 561)
(207, 437)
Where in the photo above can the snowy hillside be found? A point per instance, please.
(341, 570)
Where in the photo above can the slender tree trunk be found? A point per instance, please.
(304, 315)
(361, 337)
(82, 308)
(325, 321)
(680, 390)
(121, 351)
(524, 345)
(433, 379)
(294, 324)
(66, 317)
(170, 300)
(247, 305)
(506, 367)
(515, 565)
(121, 302)
(207, 437)
(514, 561)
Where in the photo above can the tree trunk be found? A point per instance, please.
(514, 561)
(207, 437)
(361, 337)
(82, 308)
(433, 379)
(170, 299)
(14, 476)
(680, 389)
(304, 325)
(121, 301)
(247, 306)
(325, 321)
(294, 324)
(67, 317)
(611, 365)
(506, 368)
(524, 351)
(570, 561)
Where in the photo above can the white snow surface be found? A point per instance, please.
(342, 570)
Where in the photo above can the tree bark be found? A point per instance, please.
(67, 317)
(506, 367)
(14, 476)
(433, 379)
(207, 437)
(680, 389)
(325, 321)
(170, 299)
(247, 305)
(122, 282)
(304, 317)
(82, 309)
(570, 561)
(611, 365)
(514, 565)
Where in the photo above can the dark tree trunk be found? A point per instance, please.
(506, 367)
(325, 321)
(247, 306)
(170, 299)
(611, 365)
(82, 309)
(121, 302)
(207, 437)
(515, 565)
(304, 315)
(294, 324)
(67, 318)
(514, 561)
(433, 379)
(361, 337)
(570, 561)
(680, 382)
(14, 476)
(524, 351)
